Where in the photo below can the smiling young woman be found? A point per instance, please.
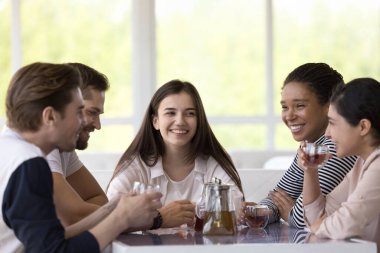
(305, 102)
(352, 209)
(176, 149)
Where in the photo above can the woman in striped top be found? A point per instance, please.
(305, 101)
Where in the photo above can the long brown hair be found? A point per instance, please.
(149, 145)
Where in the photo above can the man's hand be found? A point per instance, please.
(139, 210)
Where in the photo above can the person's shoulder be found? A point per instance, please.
(133, 162)
(136, 164)
(69, 155)
(16, 151)
(205, 160)
(374, 159)
(207, 163)
(11, 146)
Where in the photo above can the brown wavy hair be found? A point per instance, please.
(36, 86)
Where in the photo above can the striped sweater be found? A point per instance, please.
(330, 176)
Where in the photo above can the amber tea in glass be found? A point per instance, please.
(257, 216)
(316, 154)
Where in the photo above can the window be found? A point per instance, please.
(5, 54)
(220, 46)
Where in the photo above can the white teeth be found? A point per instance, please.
(178, 131)
(295, 128)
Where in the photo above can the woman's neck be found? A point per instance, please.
(366, 151)
(176, 165)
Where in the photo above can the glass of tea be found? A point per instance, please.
(256, 216)
(316, 154)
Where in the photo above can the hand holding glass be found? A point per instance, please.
(256, 216)
(316, 154)
(139, 187)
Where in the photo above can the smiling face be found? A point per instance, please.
(93, 107)
(347, 138)
(302, 113)
(176, 120)
(69, 124)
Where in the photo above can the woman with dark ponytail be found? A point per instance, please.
(352, 209)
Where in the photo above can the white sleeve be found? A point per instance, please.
(54, 161)
(65, 163)
(73, 164)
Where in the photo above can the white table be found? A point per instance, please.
(275, 238)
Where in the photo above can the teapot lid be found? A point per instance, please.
(216, 180)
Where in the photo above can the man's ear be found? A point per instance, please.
(49, 116)
(365, 126)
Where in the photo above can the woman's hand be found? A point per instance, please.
(241, 213)
(283, 202)
(302, 161)
(316, 158)
(177, 213)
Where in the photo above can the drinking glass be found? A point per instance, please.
(199, 214)
(316, 154)
(139, 187)
(256, 216)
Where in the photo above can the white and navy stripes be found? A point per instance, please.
(330, 176)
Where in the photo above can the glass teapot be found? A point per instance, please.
(200, 207)
(219, 216)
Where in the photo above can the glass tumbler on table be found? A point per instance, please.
(256, 216)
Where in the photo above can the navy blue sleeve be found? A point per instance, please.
(28, 209)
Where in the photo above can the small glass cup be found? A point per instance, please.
(256, 216)
(316, 154)
(139, 188)
(199, 214)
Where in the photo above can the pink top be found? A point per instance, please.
(353, 207)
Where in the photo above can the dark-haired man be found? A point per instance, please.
(76, 192)
(44, 109)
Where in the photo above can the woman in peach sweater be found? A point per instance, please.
(352, 209)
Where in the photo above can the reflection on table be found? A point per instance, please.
(277, 237)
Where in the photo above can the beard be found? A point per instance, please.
(82, 141)
(81, 144)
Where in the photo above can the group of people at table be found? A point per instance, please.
(52, 203)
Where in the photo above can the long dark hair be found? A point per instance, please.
(149, 145)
